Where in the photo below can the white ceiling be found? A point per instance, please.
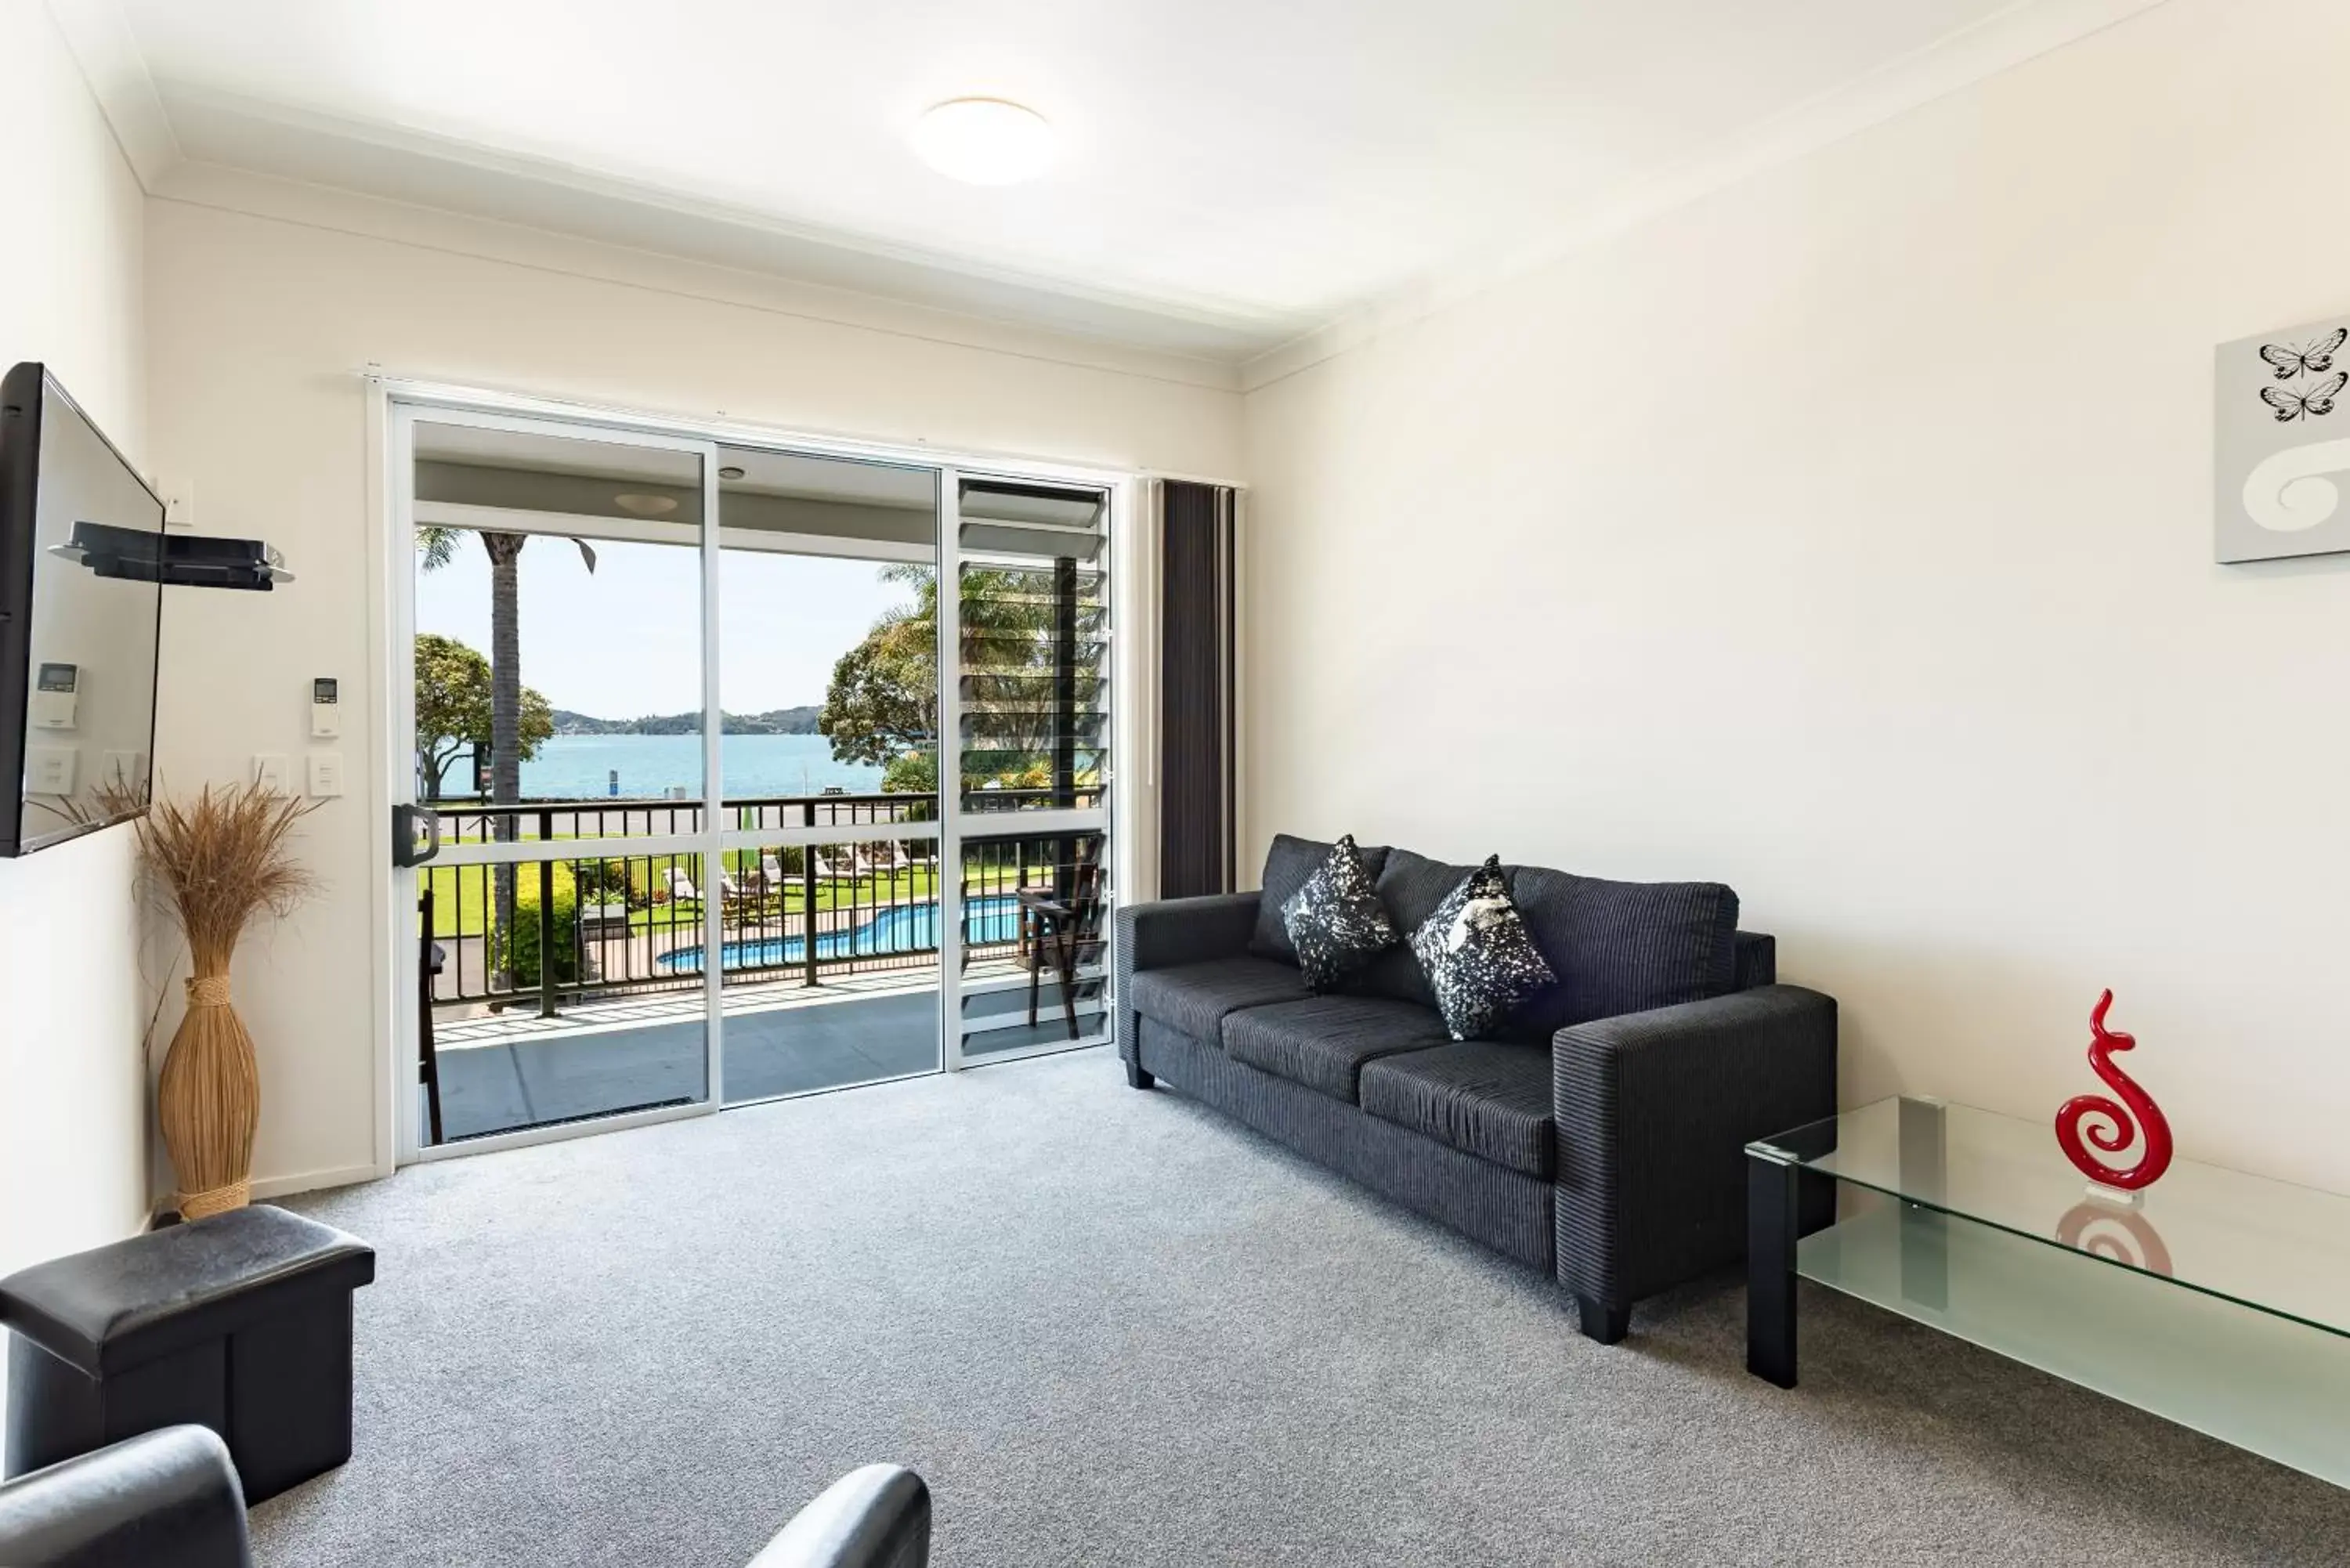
(1234, 173)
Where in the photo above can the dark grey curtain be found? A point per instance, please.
(1196, 733)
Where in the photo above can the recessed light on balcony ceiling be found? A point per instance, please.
(984, 141)
(645, 506)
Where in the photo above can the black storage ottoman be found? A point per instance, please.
(240, 1322)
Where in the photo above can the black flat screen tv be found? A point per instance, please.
(81, 549)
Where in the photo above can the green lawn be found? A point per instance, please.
(915, 884)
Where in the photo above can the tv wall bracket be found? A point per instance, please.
(175, 560)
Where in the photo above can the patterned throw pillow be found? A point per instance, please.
(1477, 956)
(1336, 920)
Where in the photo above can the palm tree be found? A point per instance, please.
(436, 547)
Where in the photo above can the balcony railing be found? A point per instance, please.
(577, 927)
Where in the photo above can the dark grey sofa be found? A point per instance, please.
(1599, 1140)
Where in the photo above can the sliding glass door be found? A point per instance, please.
(755, 771)
(827, 655)
(558, 578)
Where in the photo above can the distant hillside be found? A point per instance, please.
(775, 721)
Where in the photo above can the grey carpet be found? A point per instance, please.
(1112, 1328)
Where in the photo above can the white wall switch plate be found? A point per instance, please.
(326, 773)
(269, 770)
(50, 769)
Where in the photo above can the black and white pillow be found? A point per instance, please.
(1477, 956)
(1336, 920)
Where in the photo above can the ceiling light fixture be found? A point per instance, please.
(984, 141)
(730, 472)
(645, 506)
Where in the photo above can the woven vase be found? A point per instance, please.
(210, 1102)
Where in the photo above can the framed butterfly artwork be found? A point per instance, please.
(2282, 446)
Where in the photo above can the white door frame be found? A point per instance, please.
(393, 406)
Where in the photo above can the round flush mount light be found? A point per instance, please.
(730, 472)
(984, 141)
(645, 506)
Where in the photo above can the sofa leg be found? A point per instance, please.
(1606, 1324)
(1137, 1078)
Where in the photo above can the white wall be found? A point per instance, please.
(1846, 536)
(73, 1152)
(260, 325)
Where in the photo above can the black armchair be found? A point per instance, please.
(171, 1499)
(878, 1517)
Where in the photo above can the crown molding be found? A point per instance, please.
(425, 169)
(338, 210)
(103, 45)
(575, 221)
(1998, 43)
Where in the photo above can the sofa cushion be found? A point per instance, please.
(1410, 886)
(1195, 997)
(1491, 1098)
(1622, 947)
(1323, 1041)
(1287, 865)
(1335, 922)
(1477, 956)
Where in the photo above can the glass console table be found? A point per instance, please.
(2220, 1301)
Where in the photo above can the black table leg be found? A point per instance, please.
(1771, 1222)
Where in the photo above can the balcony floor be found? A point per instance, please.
(508, 1072)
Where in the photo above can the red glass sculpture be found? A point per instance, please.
(2112, 1126)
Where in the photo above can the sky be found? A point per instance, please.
(625, 640)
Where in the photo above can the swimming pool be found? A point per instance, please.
(896, 928)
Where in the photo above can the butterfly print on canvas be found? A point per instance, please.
(2307, 401)
(2312, 358)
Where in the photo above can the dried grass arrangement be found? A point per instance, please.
(216, 864)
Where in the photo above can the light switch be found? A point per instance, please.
(326, 773)
(50, 769)
(269, 772)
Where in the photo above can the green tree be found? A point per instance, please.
(437, 547)
(881, 707)
(453, 709)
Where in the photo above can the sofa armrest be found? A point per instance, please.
(166, 1499)
(876, 1517)
(1185, 930)
(1654, 1111)
(1176, 931)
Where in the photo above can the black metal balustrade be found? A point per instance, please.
(616, 924)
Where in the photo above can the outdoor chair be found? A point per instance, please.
(1065, 931)
(431, 955)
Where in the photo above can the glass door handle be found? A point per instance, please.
(415, 834)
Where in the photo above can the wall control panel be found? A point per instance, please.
(326, 708)
(56, 691)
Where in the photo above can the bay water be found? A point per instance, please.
(580, 767)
